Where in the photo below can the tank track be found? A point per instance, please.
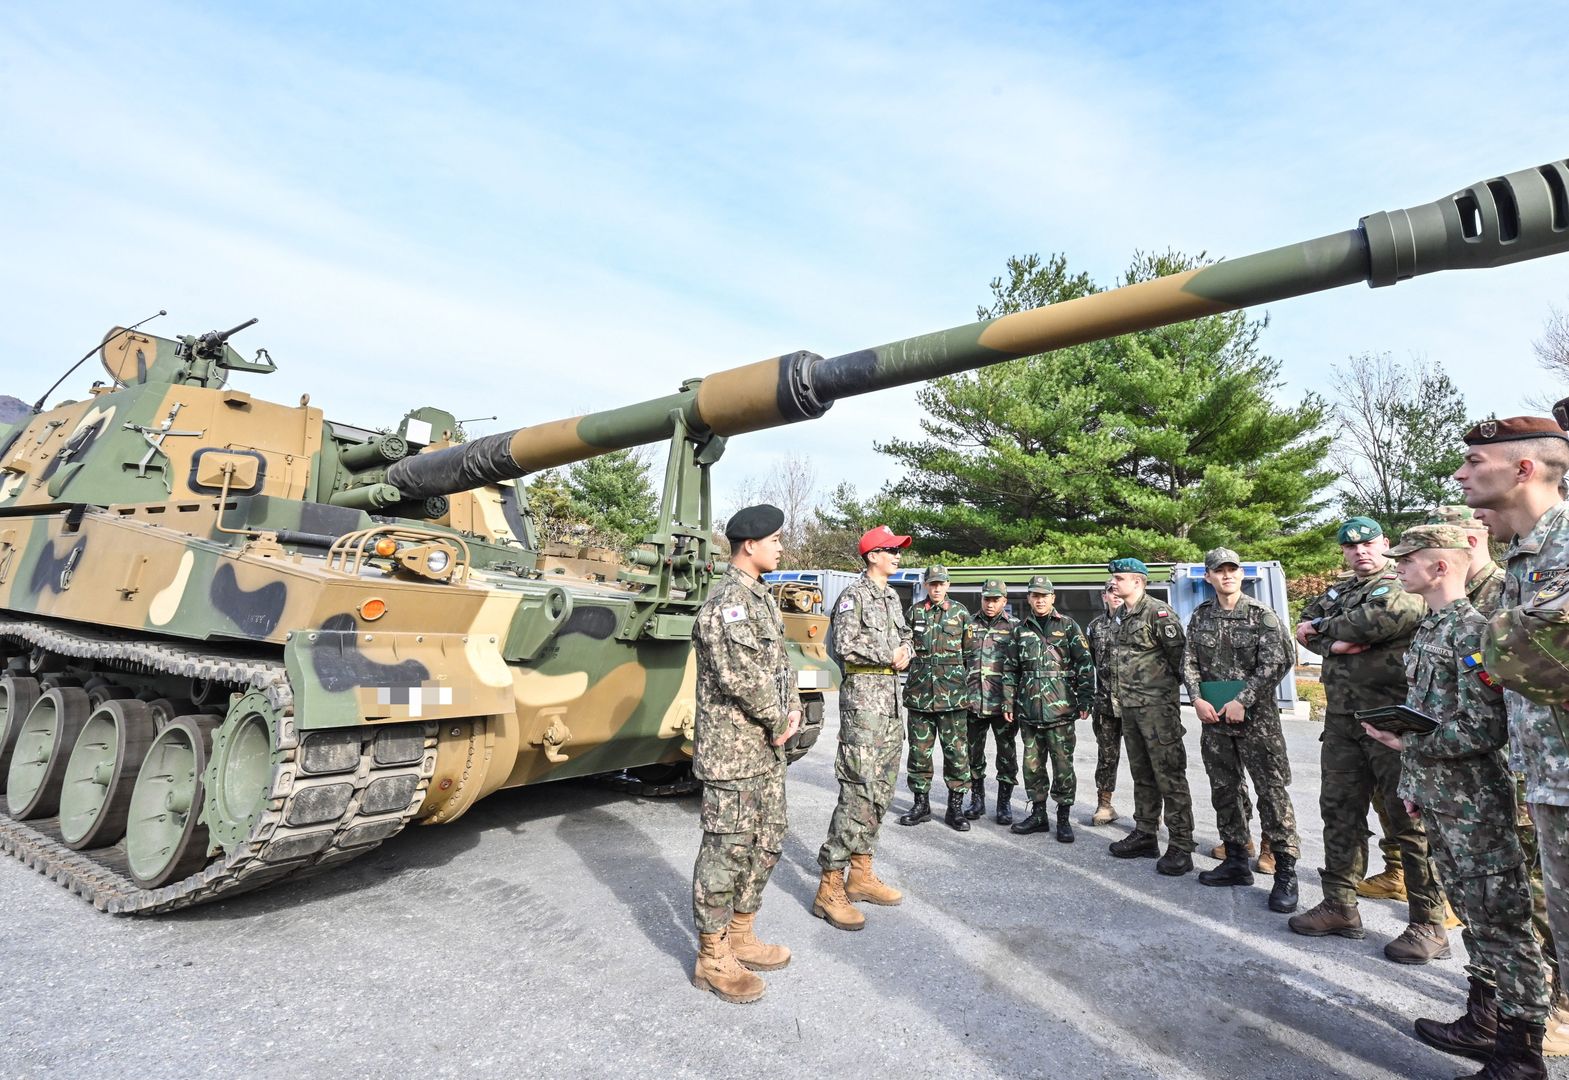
(276, 847)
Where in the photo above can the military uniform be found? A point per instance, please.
(936, 693)
(1249, 645)
(745, 692)
(1458, 775)
(1376, 612)
(867, 628)
(1053, 676)
(991, 696)
(1103, 719)
(1145, 667)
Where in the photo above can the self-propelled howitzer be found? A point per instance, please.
(244, 642)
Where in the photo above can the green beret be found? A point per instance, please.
(1128, 566)
(1359, 530)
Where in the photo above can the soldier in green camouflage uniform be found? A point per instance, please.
(1362, 628)
(747, 709)
(1237, 652)
(1514, 468)
(1146, 669)
(936, 692)
(1053, 676)
(1104, 721)
(871, 640)
(991, 703)
(1457, 777)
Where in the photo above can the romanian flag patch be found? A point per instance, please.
(1473, 664)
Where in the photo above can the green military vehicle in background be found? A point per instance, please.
(243, 642)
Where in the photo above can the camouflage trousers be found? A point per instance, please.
(1048, 762)
(952, 730)
(743, 831)
(1482, 869)
(1159, 764)
(1553, 822)
(1108, 747)
(1355, 770)
(1007, 736)
(866, 765)
(1526, 829)
(1256, 747)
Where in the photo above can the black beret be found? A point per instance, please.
(754, 523)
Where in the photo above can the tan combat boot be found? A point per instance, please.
(1451, 920)
(1329, 918)
(1419, 943)
(753, 954)
(1265, 863)
(1105, 813)
(864, 884)
(1387, 884)
(1555, 1043)
(833, 905)
(1219, 850)
(718, 970)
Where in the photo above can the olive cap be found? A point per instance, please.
(1425, 537)
(1128, 566)
(994, 588)
(1512, 429)
(754, 522)
(1040, 583)
(1215, 558)
(1359, 530)
(1462, 516)
(935, 573)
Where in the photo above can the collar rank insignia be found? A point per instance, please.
(1473, 664)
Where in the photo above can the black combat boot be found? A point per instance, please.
(977, 807)
(1136, 845)
(1175, 863)
(1517, 1055)
(920, 812)
(1233, 871)
(1004, 804)
(1064, 829)
(1473, 1035)
(1283, 894)
(1039, 819)
(955, 818)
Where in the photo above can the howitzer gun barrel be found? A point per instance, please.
(1523, 215)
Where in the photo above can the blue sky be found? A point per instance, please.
(535, 210)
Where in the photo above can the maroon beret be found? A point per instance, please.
(1513, 429)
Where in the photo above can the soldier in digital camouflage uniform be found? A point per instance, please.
(936, 693)
(991, 703)
(1105, 722)
(1457, 778)
(1145, 669)
(1362, 627)
(1053, 676)
(1233, 639)
(872, 642)
(1515, 469)
(747, 709)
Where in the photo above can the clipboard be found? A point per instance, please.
(1221, 691)
(1398, 720)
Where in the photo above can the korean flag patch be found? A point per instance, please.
(734, 613)
(847, 604)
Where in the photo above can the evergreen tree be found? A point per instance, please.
(613, 494)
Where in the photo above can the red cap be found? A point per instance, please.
(882, 537)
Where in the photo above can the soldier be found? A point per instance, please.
(1362, 627)
(1053, 678)
(872, 641)
(1484, 581)
(991, 703)
(747, 709)
(1237, 652)
(1457, 778)
(1514, 469)
(936, 692)
(1146, 666)
(1105, 722)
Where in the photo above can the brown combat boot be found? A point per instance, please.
(1105, 813)
(719, 971)
(1555, 1042)
(1328, 918)
(1474, 1034)
(753, 954)
(864, 884)
(1517, 1053)
(1387, 884)
(833, 905)
(1419, 943)
(1219, 850)
(1265, 863)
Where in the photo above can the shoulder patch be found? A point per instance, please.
(1270, 620)
(847, 604)
(1332, 593)
(1171, 631)
(734, 613)
(1380, 591)
(1473, 664)
(1161, 613)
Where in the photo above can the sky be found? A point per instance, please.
(536, 210)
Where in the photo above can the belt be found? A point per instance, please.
(869, 669)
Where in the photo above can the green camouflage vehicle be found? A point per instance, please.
(244, 642)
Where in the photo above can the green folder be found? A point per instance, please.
(1220, 692)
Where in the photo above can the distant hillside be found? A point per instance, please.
(12, 409)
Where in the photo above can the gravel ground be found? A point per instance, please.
(549, 933)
